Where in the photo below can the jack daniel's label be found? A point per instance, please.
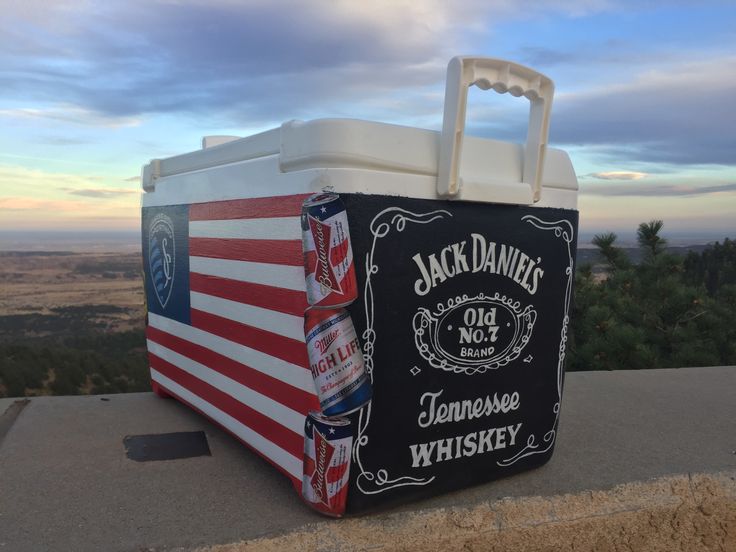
(463, 322)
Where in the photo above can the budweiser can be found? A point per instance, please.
(327, 446)
(328, 255)
(336, 361)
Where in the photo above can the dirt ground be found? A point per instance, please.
(105, 288)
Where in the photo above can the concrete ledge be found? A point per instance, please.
(673, 513)
(618, 478)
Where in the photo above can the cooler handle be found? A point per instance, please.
(503, 76)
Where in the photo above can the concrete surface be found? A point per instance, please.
(65, 483)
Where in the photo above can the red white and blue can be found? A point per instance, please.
(328, 255)
(327, 446)
(336, 361)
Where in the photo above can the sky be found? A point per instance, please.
(90, 91)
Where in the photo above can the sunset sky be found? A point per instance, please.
(89, 91)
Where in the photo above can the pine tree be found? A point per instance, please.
(614, 256)
(648, 237)
(659, 313)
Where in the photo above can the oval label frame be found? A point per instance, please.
(426, 325)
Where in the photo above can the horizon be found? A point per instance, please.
(130, 240)
(92, 92)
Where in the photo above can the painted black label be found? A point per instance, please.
(463, 316)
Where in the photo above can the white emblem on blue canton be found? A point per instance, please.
(161, 257)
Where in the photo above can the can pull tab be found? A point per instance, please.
(502, 76)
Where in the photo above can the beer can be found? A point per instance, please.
(336, 361)
(326, 471)
(328, 255)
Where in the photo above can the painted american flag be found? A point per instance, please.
(225, 318)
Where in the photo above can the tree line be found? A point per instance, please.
(666, 311)
(99, 363)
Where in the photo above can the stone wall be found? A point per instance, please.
(687, 513)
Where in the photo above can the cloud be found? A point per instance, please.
(27, 213)
(244, 61)
(101, 193)
(35, 204)
(538, 56)
(72, 114)
(133, 179)
(126, 59)
(23, 178)
(62, 141)
(657, 190)
(21, 182)
(617, 175)
(679, 114)
(260, 62)
(34, 199)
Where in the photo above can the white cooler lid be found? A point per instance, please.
(489, 170)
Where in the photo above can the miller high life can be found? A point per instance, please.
(328, 255)
(327, 446)
(336, 361)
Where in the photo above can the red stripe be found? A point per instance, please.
(257, 207)
(288, 395)
(296, 482)
(281, 252)
(261, 424)
(258, 295)
(272, 344)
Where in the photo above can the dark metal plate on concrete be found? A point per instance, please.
(166, 446)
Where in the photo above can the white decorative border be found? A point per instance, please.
(373, 483)
(562, 229)
(423, 319)
(369, 482)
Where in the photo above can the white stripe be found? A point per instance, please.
(276, 228)
(277, 322)
(270, 450)
(281, 414)
(288, 277)
(287, 372)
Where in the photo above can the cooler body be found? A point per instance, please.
(462, 312)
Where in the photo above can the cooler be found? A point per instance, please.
(464, 251)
